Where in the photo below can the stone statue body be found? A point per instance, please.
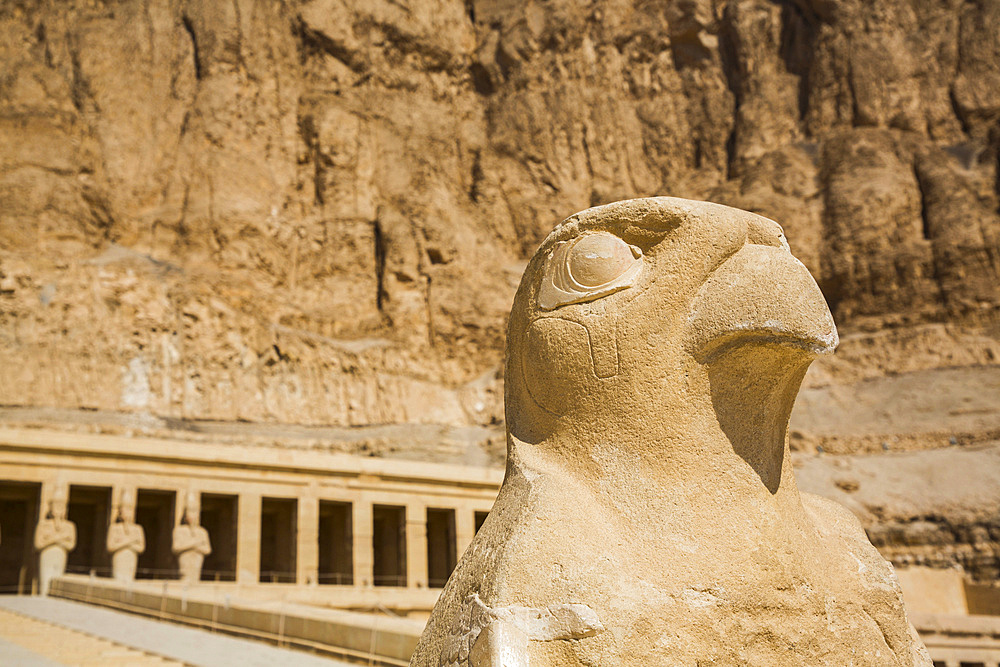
(126, 540)
(190, 545)
(55, 537)
(649, 514)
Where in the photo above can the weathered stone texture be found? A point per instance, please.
(933, 508)
(649, 511)
(317, 211)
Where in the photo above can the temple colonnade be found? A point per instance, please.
(273, 516)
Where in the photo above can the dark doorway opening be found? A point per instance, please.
(481, 519)
(277, 540)
(18, 518)
(219, 517)
(441, 548)
(154, 511)
(90, 509)
(389, 545)
(336, 543)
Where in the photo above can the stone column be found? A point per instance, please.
(126, 539)
(248, 536)
(307, 560)
(55, 537)
(416, 545)
(362, 553)
(191, 542)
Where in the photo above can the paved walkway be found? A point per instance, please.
(46, 632)
(15, 655)
(28, 642)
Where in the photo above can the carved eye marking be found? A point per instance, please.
(596, 259)
(587, 267)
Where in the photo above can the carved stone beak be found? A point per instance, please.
(761, 293)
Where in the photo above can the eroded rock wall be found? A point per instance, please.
(317, 212)
(938, 508)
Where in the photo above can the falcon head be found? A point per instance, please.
(651, 314)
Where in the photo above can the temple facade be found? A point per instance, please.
(363, 531)
(305, 526)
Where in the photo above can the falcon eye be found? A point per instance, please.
(588, 267)
(597, 259)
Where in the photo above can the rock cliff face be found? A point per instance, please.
(937, 508)
(316, 212)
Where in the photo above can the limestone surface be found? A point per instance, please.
(649, 513)
(285, 221)
(191, 542)
(126, 540)
(55, 537)
(316, 212)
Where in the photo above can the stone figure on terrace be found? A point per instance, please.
(55, 537)
(126, 540)
(649, 514)
(190, 541)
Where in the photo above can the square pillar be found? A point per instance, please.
(364, 563)
(49, 487)
(307, 569)
(117, 491)
(416, 545)
(248, 532)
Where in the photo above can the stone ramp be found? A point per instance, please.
(29, 642)
(15, 655)
(45, 632)
(366, 638)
